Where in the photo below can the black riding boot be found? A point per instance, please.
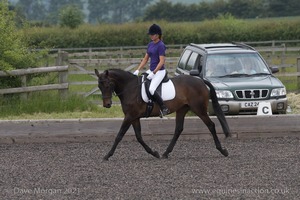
(163, 108)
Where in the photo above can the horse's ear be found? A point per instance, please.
(97, 72)
(106, 72)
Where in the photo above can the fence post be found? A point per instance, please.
(121, 52)
(58, 59)
(298, 71)
(273, 47)
(63, 78)
(24, 95)
(90, 53)
(283, 57)
(62, 57)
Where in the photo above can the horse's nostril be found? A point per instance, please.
(108, 105)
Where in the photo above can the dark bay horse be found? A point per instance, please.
(191, 94)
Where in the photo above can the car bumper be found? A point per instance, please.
(278, 106)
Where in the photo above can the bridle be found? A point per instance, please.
(112, 85)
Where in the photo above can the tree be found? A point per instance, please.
(280, 8)
(219, 7)
(99, 11)
(160, 10)
(56, 5)
(293, 7)
(33, 9)
(165, 10)
(277, 7)
(127, 10)
(116, 11)
(206, 11)
(70, 16)
(14, 48)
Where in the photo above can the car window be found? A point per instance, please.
(214, 66)
(193, 62)
(234, 63)
(253, 64)
(184, 58)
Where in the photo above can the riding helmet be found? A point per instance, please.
(154, 29)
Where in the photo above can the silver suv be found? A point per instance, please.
(240, 75)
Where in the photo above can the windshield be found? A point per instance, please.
(238, 64)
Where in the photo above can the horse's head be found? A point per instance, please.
(106, 87)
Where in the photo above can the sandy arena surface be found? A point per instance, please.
(260, 168)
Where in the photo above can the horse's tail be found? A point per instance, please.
(217, 108)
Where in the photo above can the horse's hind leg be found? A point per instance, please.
(211, 126)
(137, 129)
(180, 114)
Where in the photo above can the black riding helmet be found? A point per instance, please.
(154, 29)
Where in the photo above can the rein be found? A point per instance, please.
(139, 84)
(116, 94)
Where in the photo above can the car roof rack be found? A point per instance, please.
(241, 44)
(223, 45)
(198, 46)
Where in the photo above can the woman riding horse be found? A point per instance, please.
(191, 94)
(156, 51)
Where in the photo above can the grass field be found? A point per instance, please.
(82, 109)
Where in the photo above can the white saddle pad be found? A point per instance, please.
(167, 91)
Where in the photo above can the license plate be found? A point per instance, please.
(250, 104)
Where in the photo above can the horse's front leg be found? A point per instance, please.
(124, 127)
(137, 129)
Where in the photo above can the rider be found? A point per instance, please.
(156, 52)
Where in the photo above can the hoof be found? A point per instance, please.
(165, 156)
(225, 152)
(105, 158)
(156, 154)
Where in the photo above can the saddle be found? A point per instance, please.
(165, 89)
(147, 84)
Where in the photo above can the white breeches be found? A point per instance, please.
(156, 80)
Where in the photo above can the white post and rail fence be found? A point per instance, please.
(62, 86)
(83, 63)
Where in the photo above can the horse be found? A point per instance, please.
(192, 94)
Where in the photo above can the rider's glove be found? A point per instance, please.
(136, 72)
(150, 76)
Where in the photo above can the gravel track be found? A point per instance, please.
(260, 168)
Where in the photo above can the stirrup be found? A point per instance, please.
(164, 111)
(161, 115)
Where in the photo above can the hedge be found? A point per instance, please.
(135, 34)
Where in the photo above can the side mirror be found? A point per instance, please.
(274, 70)
(194, 72)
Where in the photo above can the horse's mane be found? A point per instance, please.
(121, 73)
